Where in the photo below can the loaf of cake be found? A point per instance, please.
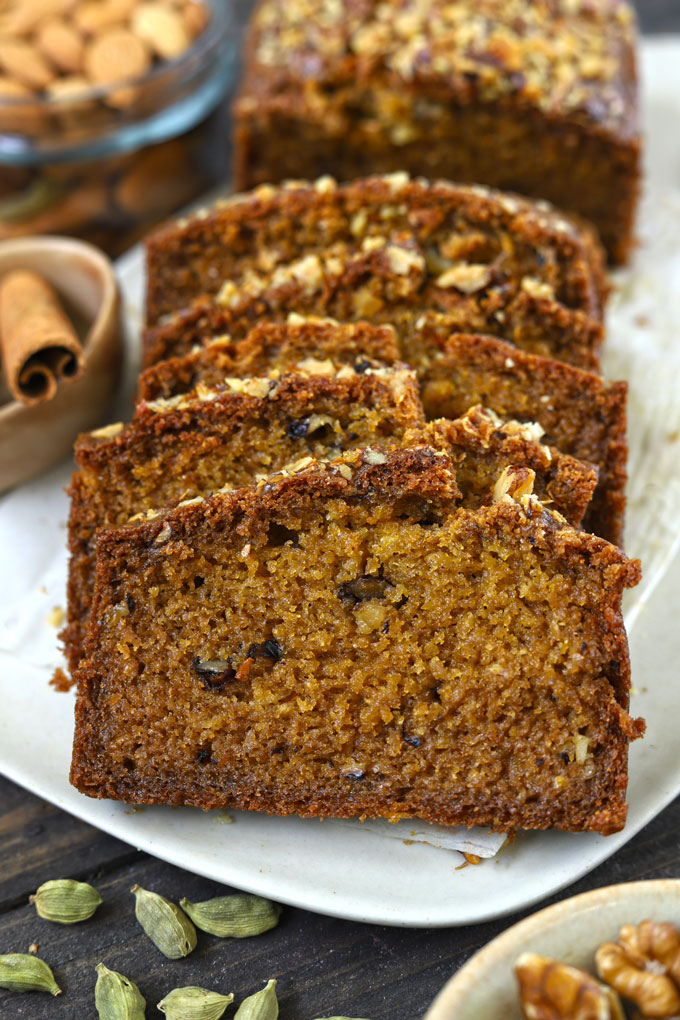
(490, 232)
(268, 347)
(539, 96)
(579, 412)
(395, 282)
(349, 641)
(189, 446)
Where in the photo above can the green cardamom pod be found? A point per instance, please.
(20, 972)
(116, 997)
(167, 926)
(193, 1003)
(65, 901)
(236, 917)
(261, 1006)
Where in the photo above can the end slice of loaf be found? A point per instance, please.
(395, 656)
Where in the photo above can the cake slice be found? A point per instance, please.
(391, 281)
(189, 446)
(396, 656)
(464, 226)
(580, 413)
(267, 347)
(525, 94)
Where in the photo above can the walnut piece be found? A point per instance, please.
(644, 966)
(554, 991)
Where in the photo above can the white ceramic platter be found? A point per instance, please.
(330, 867)
(570, 931)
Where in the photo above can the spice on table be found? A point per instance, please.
(39, 344)
(20, 972)
(261, 1006)
(192, 1003)
(237, 917)
(116, 997)
(167, 926)
(65, 901)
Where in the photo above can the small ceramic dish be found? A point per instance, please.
(570, 931)
(34, 438)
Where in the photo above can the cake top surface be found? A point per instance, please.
(568, 56)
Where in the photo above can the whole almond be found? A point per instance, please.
(116, 55)
(96, 16)
(69, 85)
(10, 88)
(196, 17)
(22, 61)
(61, 43)
(23, 16)
(162, 27)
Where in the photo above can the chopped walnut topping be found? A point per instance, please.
(108, 431)
(467, 278)
(312, 366)
(581, 746)
(164, 534)
(538, 289)
(253, 387)
(557, 55)
(228, 295)
(374, 458)
(325, 185)
(513, 484)
(403, 260)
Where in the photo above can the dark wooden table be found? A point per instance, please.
(324, 966)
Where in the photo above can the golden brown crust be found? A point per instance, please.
(392, 729)
(270, 346)
(479, 444)
(274, 226)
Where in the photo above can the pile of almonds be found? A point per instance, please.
(59, 48)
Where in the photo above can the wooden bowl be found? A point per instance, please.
(34, 438)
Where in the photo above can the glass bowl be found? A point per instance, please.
(107, 163)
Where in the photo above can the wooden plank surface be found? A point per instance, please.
(324, 966)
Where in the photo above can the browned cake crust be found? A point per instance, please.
(192, 445)
(273, 226)
(398, 282)
(481, 446)
(581, 414)
(538, 97)
(270, 346)
(394, 657)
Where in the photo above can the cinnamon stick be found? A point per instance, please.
(39, 345)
